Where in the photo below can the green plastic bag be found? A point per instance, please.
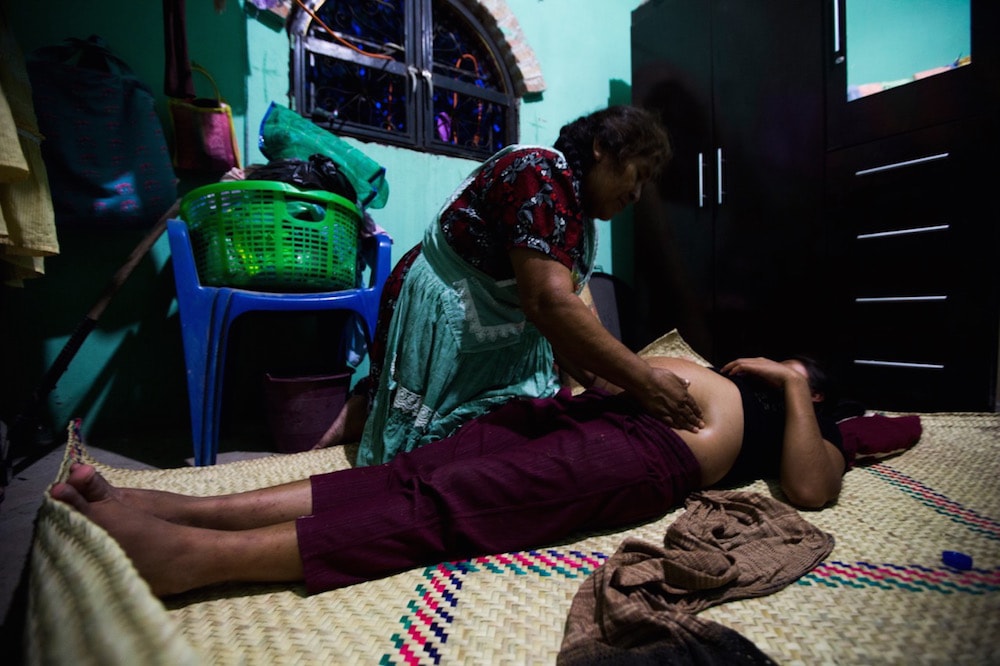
(284, 134)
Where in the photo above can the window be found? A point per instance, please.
(419, 73)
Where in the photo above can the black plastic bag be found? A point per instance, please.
(319, 172)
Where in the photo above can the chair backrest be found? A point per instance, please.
(604, 291)
(185, 270)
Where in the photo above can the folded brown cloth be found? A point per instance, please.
(639, 607)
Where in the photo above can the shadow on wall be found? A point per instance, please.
(131, 363)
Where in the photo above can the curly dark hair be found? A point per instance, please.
(820, 379)
(625, 132)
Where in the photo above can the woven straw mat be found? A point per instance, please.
(884, 596)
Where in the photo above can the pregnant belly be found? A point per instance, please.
(717, 445)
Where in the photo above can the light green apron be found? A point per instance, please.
(458, 345)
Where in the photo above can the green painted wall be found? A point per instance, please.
(130, 372)
(887, 40)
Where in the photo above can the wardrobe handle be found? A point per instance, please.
(718, 176)
(904, 232)
(701, 180)
(899, 299)
(837, 45)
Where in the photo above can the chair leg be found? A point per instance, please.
(205, 355)
(211, 407)
(196, 359)
(215, 364)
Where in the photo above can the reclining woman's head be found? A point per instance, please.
(820, 382)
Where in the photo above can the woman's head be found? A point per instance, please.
(820, 383)
(615, 151)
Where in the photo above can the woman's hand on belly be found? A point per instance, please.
(717, 444)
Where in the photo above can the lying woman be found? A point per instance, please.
(530, 473)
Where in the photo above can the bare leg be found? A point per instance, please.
(175, 558)
(348, 425)
(239, 511)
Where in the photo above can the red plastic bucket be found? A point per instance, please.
(300, 409)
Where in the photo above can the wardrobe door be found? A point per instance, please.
(768, 95)
(729, 243)
(674, 219)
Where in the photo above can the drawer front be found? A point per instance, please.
(898, 331)
(908, 169)
(909, 389)
(904, 262)
(918, 302)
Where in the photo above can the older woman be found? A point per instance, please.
(529, 473)
(489, 300)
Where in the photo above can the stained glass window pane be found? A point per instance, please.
(373, 26)
(459, 53)
(469, 122)
(357, 93)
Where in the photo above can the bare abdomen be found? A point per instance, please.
(717, 444)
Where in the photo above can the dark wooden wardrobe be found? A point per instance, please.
(729, 243)
(793, 219)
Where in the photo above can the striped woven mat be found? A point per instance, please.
(884, 596)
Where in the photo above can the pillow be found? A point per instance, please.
(879, 436)
(672, 344)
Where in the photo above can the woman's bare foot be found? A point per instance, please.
(175, 558)
(172, 507)
(160, 550)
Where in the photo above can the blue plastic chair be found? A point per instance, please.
(207, 314)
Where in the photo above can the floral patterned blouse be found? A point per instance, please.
(521, 197)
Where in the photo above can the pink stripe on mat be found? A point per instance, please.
(425, 627)
(980, 524)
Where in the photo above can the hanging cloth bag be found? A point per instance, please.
(204, 134)
(204, 137)
(104, 150)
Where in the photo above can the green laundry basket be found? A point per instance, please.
(271, 236)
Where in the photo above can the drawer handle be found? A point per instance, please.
(897, 299)
(900, 364)
(902, 232)
(701, 180)
(899, 165)
(718, 176)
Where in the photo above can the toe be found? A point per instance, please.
(67, 494)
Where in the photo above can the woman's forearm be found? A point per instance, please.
(810, 475)
(585, 347)
(578, 338)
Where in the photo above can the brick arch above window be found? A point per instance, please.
(496, 17)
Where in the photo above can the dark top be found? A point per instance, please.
(764, 430)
